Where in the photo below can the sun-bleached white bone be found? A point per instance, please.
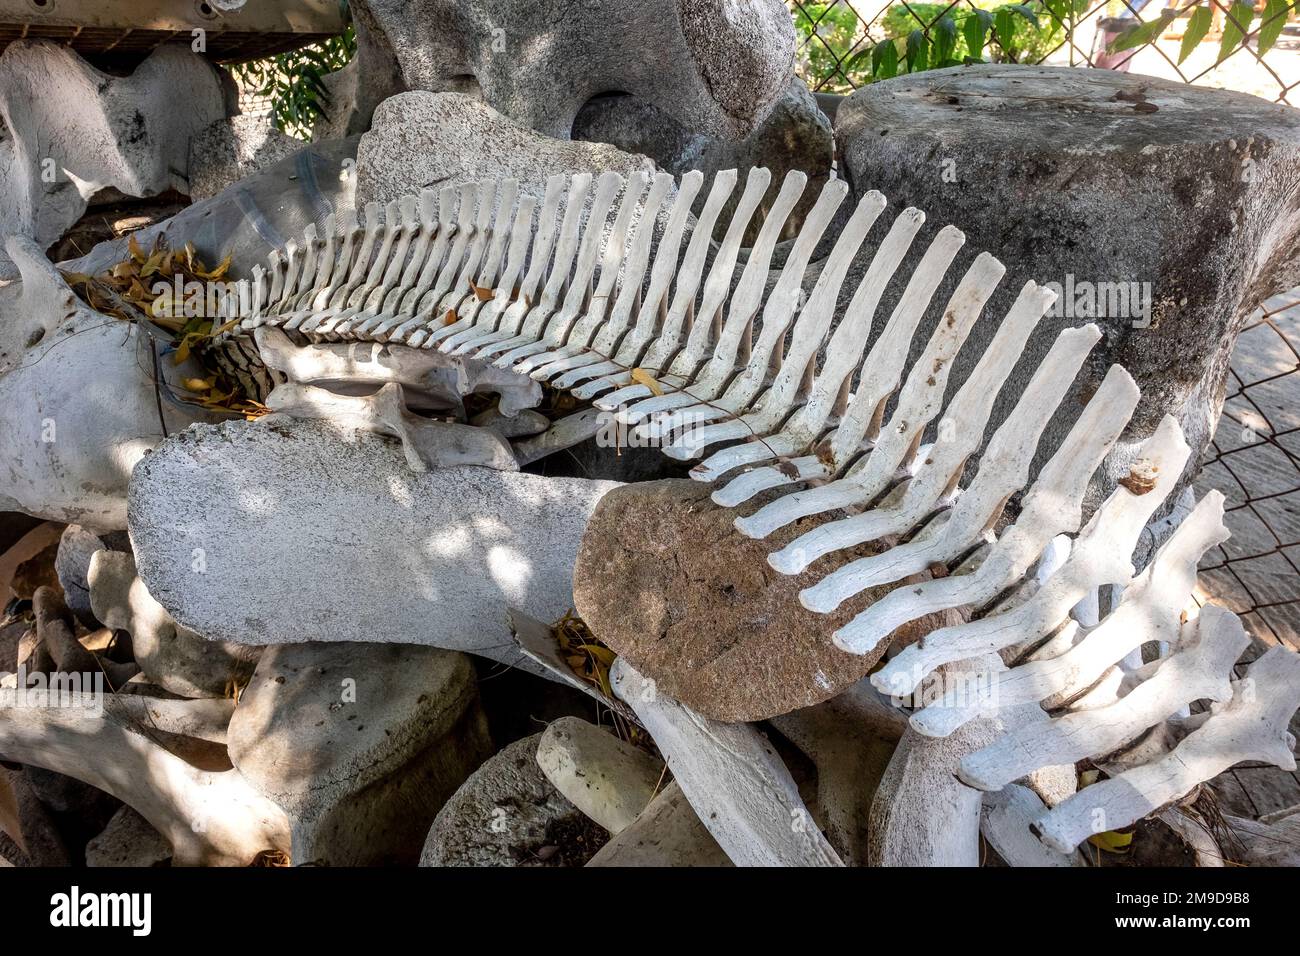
(1251, 726)
(1200, 669)
(1053, 505)
(1149, 611)
(427, 444)
(1100, 555)
(732, 777)
(936, 478)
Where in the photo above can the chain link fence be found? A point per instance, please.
(1254, 458)
(1253, 48)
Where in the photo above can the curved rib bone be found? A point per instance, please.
(1100, 555)
(1251, 726)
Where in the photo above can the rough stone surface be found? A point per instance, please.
(28, 821)
(1090, 176)
(308, 532)
(608, 779)
(714, 65)
(171, 657)
(795, 136)
(129, 841)
(360, 744)
(76, 548)
(231, 149)
(423, 140)
(99, 130)
(664, 578)
(509, 814)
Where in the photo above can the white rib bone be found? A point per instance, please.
(594, 342)
(1199, 670)
(935, 483)
(715, 290)
(745, 301)
(554, 331)
(1149, 611)
(1100, 556)
(1052, 506)
(1251, 726)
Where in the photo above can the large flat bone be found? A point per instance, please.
(1251, 726)
(733, 778)
(302, 531)
(427, 444)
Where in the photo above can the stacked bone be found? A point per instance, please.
(765, 328)
(644, 351)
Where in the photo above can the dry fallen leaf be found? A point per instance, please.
(642, 377)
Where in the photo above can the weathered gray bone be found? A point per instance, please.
(77, 399)
(73, 130)
(733, 778)
(715, 65)
(372, 551)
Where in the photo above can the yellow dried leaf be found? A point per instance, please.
(216, 273)
(151, 265)
(133, 247)
(197, 384)
(642, 377)
(602, 654)
(1112, 841)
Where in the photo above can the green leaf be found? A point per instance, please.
(886, 65)
(1270, 27)
(945, 39)
(918, 48)
(1197, 27)
(1235, 27)
(1004, 25)
(1142, 35)
(974, 28)
(1025, 11)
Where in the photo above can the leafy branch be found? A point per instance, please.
(294, 81)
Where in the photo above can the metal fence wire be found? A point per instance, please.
(1235, 45)
(1254, 458)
